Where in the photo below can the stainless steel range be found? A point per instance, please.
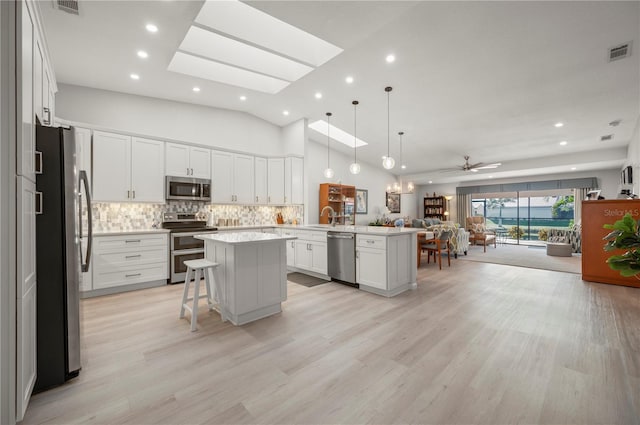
(183, 227)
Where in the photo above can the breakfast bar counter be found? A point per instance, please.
(253, 270)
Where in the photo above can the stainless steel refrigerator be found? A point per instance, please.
(63, 200)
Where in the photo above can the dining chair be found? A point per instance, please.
(437, 246)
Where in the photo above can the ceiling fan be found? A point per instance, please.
(473, 167)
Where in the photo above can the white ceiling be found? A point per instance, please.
(485, 79)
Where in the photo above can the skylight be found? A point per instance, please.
(244, 22)
(215, 71)
(337, 134)
(222, 49)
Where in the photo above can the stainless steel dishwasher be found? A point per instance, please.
(341, 256)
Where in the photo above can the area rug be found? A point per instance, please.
(305, 280)
(522, 256)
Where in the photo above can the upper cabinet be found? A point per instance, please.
(187, 161)
(275, 181)
(293, 181)
(127, 169)
(232, 178)
(260, 179)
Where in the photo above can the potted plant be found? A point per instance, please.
(543, 234)
(625, 235)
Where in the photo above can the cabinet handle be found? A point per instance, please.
(134, 194)
(369, 241)
(256, 199)
(357, 254)
(133, 256)
(269, 199)
(47, 120)
(38, 162)
(128, 194)
(192, 171)
(132, 241)
(38, 203)
(133, 274)
(285, 199)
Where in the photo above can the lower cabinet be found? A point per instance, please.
(25, 349)
(385, 264)
(129, 260)
(310, 251)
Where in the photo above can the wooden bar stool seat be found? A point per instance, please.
(198, 269)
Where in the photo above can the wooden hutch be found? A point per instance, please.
(339, 197)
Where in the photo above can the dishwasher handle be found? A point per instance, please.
(339, 236)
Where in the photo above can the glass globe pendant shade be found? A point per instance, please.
(388, 163)
(354, 168)
(328, 173)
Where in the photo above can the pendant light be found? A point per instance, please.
(401, 161)
(355, 167)
(388, 162)
(328, 172)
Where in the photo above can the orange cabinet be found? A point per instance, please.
(595, 214)
(341, 199)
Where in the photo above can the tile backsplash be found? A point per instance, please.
(132, 216)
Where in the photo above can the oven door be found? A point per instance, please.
(178, 269)
(186, 241)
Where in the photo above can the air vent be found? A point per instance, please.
(620, 52)
(69, 6)
(606, 137)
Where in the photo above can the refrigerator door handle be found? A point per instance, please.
(85, 182)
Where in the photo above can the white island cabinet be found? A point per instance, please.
(253, 270)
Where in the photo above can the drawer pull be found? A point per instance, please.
(133, 256)
(132, 241)
(370, 241)
(133, 275)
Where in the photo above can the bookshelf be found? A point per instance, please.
(435, 207)
(339, 197)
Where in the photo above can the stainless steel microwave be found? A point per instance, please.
(187, 188)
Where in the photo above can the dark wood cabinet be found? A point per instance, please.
(435, 207)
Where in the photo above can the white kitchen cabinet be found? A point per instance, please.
(260, 179)
(130, 259)
(38, 76)
(319, 257)
(187, 161)
(293, 181)
(111, 167)
(291, 253)
(147, 173)
(386, 264)
(310, 251)
(232, 178)
(26, 129)
(275, 181)
(25, 294)
(302, 255)
(126, 169)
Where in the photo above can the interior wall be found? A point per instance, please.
(166, 119)
(633, 157)
(294, 137)
(373, 179)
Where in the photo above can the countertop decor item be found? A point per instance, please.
(625, 235)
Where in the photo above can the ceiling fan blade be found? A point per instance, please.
(487, 166)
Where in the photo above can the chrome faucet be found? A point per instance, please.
(332, 214)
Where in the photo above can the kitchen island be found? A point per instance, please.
(253, 273)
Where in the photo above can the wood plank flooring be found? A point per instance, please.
(475, 343)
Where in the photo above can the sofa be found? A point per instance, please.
(572, 236)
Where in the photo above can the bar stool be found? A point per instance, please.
(200, 268)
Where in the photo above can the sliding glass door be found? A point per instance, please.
(525, 217)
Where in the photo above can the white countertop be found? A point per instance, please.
(378, 230)
(117, 232)
(243, 237)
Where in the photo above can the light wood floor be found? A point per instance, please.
(475, 343)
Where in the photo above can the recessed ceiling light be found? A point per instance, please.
(563, 143)
(151, 28)
(285, 112)
(558, 124)
(573, 168)
(404, 167)
(318, 95)
(243, 98)
(142, 54)
(430, 181)
(196, 89)
(349, 79)
(134, 76)
(390, 58)
(490, 177)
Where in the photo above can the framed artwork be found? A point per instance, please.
(393, 202)
(362, 201)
